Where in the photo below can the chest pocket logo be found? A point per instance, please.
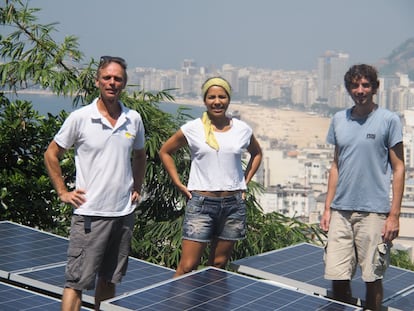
(129, 135)
(370, 136)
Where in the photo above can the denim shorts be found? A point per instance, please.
(211, 217)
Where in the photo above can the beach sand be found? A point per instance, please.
(297, 128)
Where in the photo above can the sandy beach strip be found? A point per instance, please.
(298, 128)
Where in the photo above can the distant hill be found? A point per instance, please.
(401, 60)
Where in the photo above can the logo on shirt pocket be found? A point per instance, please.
(370, 136)
(129, 135)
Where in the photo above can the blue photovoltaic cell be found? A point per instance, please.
(302, 266)
(49, 278)
(17, 299)
(404, 301)
(139, 275)
(38, 259)
(25, 248)
(219, 290)
(296, 265)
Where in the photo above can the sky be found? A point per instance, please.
(273, 34)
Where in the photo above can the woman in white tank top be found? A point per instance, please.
(215, 211)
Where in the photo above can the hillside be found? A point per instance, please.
(401, 60)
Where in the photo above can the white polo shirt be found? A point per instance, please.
(103, 158)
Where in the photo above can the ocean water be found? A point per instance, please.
(54, 104)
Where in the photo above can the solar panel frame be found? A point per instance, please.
(402, 301)
(219, 290)
(49, 275)
(28, 252)
(286, 264)
(52, 279)
(301, 266)
(24, 248)
(13, 298)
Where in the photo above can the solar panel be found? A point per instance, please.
(215, 289)
(13, 298)
(50, 278)
(140, 274)
(403, 301)
(35, 258)
(24, 248)
(302, 266)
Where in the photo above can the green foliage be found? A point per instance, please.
(271, 231)
(32, 58)
(26, 195)
(159, 240)
(157, 234)
(35, 59)
(401, 259)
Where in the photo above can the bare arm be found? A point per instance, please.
(139, 163)
(51, 158)
(391, 228)
(255, 159)
(332, 182)
(174, 143)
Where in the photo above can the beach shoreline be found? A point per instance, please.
(291, 127)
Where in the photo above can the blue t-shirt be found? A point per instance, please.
(363, 159)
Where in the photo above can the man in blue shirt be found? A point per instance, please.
(360, 220)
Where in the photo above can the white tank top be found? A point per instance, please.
(220, 170)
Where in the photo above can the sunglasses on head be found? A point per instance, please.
(107, 59)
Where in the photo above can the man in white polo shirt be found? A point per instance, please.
(108, 183)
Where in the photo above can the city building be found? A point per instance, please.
(332, 67)
(295, 179)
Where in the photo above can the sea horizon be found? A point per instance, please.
(46, 102)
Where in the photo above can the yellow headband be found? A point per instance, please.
(217, 82)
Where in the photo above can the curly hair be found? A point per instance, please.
(360, 71)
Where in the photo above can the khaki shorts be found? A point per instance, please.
(98, 246)
(355, 238)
